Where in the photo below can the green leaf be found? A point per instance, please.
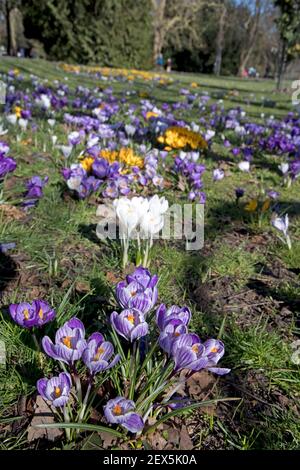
(83, 427)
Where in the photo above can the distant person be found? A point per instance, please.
(245, 73)
(169, 65)
(252, 72)
(160, 61)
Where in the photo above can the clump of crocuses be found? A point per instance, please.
(30, 315)
(152, 360)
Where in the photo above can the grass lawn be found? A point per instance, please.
(243, 286)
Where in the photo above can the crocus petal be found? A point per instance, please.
(133, 422)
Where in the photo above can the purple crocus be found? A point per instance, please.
(139, 291)
(24, 314)
(100, 168)
(97, 354)
(170, 333)
(239, 192)
(34, 190)
(130, 324)
(189, 353)
(7, 165)
(121, 411)
(55, 390)
(69, 342)
(32, 315)
(44, 312)
(164, 315)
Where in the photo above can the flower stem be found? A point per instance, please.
(67, 420)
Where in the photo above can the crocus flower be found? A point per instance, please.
(282, 225)
(164, 315)
(32, 315)
(55, 390)
(218, 174)
(189, 353)
(121, 411)
(24, 314)
(244, 166)
(97, 354)
(44, 312)
(4, 247)
(130, 324)
(170, 333)
(239, 192)
(138, 291)
(284, 168)
(69, 342)
(7, 165)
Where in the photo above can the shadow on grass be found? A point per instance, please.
(8, 271)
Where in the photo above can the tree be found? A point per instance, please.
(176, 18)
(11, 14)
(220, 37)
(289, 28)
(250, 26)
(109, 32)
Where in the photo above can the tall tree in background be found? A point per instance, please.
(176, 18)
(109, 32)
(9, 9)
(223, 13)
(289, 27)
(250, 26)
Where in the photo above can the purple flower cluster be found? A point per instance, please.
(70, 345)
(83, 183)
(36, 314)
(7, 164)
(186, 349)
(34, 191)
(186, 164)
(137, 295)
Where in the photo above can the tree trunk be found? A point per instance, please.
(220, 42)
(8, 28)
(13, 31)
(281, 65)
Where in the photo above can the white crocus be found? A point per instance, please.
(127, 215)
(23, 123)
(284, 168)
(54, 139)
(282, 225)
(244, 166)
(12, 119)
(66, 150)
(51, 122)
(44, 101)
(130, 130)
(158, 205)
(140, 219)
(74, 183)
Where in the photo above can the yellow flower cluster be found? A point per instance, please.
(252, 205)
(129, 74)
(179, 138)
(125, 155)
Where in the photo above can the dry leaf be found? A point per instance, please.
(42, 415)
(12, 212)
(185, 442)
